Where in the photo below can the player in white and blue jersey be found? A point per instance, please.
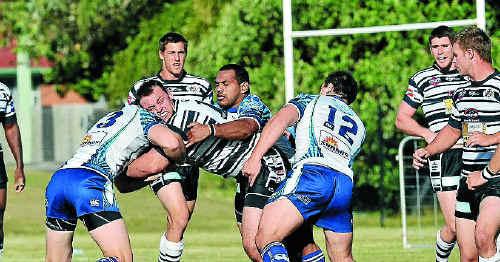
(247, 115)
(82, 187)
(475, 118)
(318, 190)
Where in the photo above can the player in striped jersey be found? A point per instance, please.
(318, 189)
(476, 118)
(432, 89)
(172, 51)
(82, 188)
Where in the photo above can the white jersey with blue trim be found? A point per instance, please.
(113, 141)
(329, 133)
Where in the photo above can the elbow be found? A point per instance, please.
(176, 149)
(399, 123)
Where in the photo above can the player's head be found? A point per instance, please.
(172, 52)
(152, 97)
(441, 46)
(232, 84)
(341, 84)
(472, 46)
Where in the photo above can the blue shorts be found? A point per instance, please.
(74, 192)
(322, 196)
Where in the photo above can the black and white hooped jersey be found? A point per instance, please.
(7, 110)
(114, 140)
(329, 133)
(216, 155)
(188, 87)
(433, 88)
(477, 109)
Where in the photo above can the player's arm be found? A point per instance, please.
(444, 140)
(13, 136)
(408, 125)
(493, 168)
(170, 142)
(270, 134)
(233, 130)
(149, 163)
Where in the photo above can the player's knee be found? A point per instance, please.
(484, 239)
(449, 229)
(179, 220)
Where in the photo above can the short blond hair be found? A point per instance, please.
(476, 39)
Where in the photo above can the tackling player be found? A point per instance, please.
(82, 188)
(318, 189)
(432, 89)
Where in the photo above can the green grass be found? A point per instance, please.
(211, 236)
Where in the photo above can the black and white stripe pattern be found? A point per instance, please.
(432, 88)
(477, 108)
(216, 155)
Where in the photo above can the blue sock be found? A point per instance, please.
(274, 252)
(316, 256)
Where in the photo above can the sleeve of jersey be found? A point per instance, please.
(413, 96)
(455, 120)
(7, 110)
(254, 108)
(300, 102)
(148, 120)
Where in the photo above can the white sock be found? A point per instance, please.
(495, 258)
(170, 251)
(443, 249)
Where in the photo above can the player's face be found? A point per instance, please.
(462, 59)
(173, 58)
(159, 103)
(230, 93)
(442, 51)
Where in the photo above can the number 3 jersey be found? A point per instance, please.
(113, 141)
(329, 133)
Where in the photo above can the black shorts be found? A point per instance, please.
(91, 221)
(273, 171)
(189, 181)
(445, 170)
(3, 173)
(468, 201)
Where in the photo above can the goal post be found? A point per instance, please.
(289, 34)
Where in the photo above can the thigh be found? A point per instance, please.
(488, 220)
(172, 199)
(447, 201)
(58, 245)
(465, 237)
(339, 245)
(112, 238)
(279, 219)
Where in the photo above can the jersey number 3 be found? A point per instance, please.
(110, 119)
(344, 129)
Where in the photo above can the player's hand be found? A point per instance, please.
(420, 158)
(475, 179)
(251, 169)
(19, 180)
(197, 133)
(480, 139)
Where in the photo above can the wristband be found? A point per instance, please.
(487, 173)
(212, 129)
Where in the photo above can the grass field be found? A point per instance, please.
(211, 236)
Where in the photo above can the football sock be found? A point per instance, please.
(274, 252)
(108, 259)
(443, 249)
(316, 256)
(170, 251)
(494, 258)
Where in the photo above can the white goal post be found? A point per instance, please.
(289, 34)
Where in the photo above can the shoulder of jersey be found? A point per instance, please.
(198, 79)
(428, 71)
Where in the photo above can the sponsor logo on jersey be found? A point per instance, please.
(434, 81)
(471, 114)
(92, 139)
(330, 143)
(489, 92)
(452, 78)
(191, 88)
(94, 202)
